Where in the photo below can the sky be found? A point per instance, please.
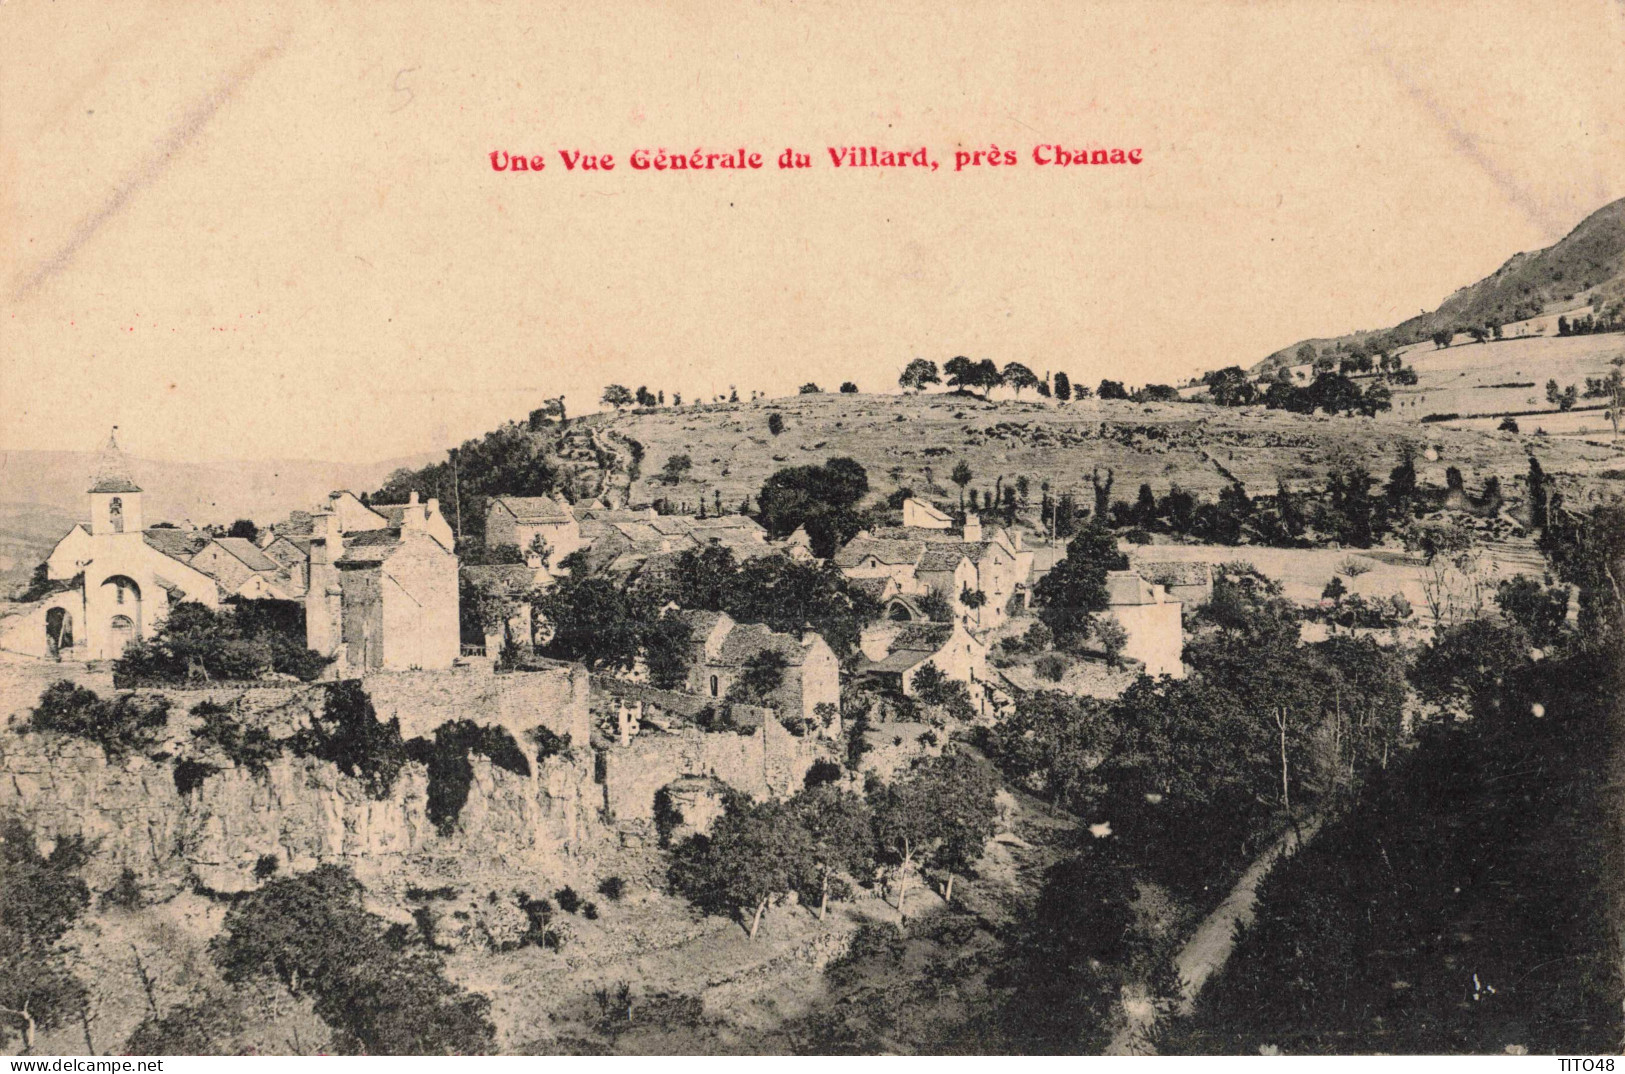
(273, 233)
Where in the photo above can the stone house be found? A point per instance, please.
(244, 570)
(516, 521)
(723, 650)
(1189, 582)
(1153, 621)
(384, 598)
(895, 652)
(993, 562)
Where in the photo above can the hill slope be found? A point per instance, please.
(1587, 264)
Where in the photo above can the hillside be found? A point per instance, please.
(1582, 271)
(915, 442)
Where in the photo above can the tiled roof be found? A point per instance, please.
(516, 575)
(370, 546)
(248, 552)
(1127, 587)
(533, 509)
(176, 544)
(1176, 572)
(747, 640)
(299, 524)
(890, 552)
(945, 557)
(895, 662)
(922, 637)
(115, 484)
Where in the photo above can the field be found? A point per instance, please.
(915, 441)
(1468, 378)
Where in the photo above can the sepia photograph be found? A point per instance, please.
(778, 528)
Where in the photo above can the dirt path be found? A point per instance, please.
(1207, 950)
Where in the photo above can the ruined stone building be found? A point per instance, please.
(723, 650)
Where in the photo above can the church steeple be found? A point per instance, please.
(115, 498)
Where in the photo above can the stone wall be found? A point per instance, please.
(768, 762)
(304, 811)
(554, 696)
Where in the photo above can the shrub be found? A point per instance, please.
(550, 743)
(568, 900)
(130, 723)
(612, 888)
(821, 771)
(450, 773)
(589, 910)
(349, 734)
(250, 747)
(190, 774)
(265, 868)
(125, 894)
(775, 423)
(1508, 425)
(313, 934)
(1051, 666)
(848, 388)
(1353, 567)
(248, 642)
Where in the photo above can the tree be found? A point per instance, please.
(848, 388)
(617, 396)
(1231, 386)
(1542, 611)
(810, 388)
(1018, 377)
(961, 477)
(821, 498)
(1112, 637)
(840, 827)
(963, 790)
(312, 934)
(244, 528)
(919, 373)
(1076, 588)
(644, 397)
(1063, 387)
(754, 854)
(963, 373)
(775, 423)
(44, 897)
(1111, 389)
(676, 468)
(595, 621)
(791, 596)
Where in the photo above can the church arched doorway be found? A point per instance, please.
(122, 598)
(120, 633)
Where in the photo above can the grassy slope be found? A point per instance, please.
(896, 437)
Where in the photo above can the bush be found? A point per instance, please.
(1508, 425)
(313, 934)
(251, 641)
(126, 893)
(549, 743)
(130, 723)
(266, 867)
(349, 734)
(1051, 666)
(568, 900)
(589, 910)
(612, 888)
(250, 747)
(450, 773)
(190, 774)
(821, 771)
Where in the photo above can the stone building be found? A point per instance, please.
(113, 580)
(384, 597)
(992, 562)
(1153, 621)
(723, 650)
(517, 521)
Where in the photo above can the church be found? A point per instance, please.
(113, 580)
(378, 582)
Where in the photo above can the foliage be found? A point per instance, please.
(755, 853)
(44, 897)
(840, 827)
(950, 697)
(348, 734)
(612, 888)
(1465, 667)
(919, 373)
(1051, 743)
(596, 621)
(761, 676)
(248, 746)
(848, 388)
(1381, 936)
(775, 423)
(1076, 588)
(676, 468)
(1541, 610)
(821, 498)
(1112, 638)
(249, 641)
(791, 596)
(810, 388)
(312, 934)
(450, 773)
(549, 743)
(130, 723)
(963, 373)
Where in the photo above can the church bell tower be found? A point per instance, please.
(115, 498)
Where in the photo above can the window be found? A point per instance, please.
(115, 514)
